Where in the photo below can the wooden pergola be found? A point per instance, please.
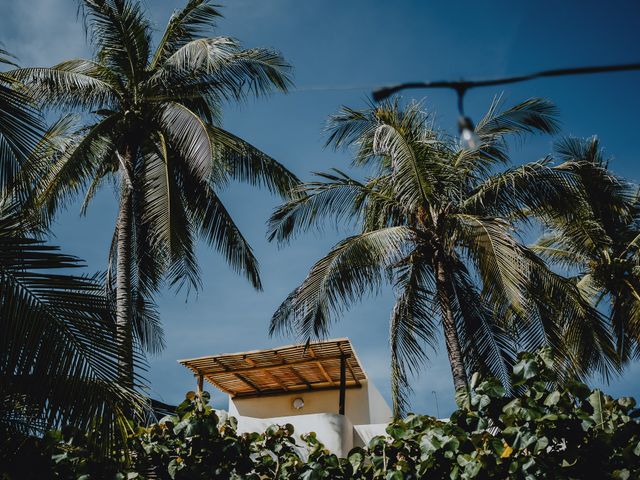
(326, 365)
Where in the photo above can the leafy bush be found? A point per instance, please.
(568, 432)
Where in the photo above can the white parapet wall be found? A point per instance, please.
(366, 415)
(333, 430)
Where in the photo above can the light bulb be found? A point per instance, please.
(468, 137)
(298, 403)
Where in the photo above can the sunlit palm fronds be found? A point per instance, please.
(459, 265)
(153, 128)
(598, 241)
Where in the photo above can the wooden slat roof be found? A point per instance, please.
(291, 368)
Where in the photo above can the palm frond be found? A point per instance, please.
(535, 115)
(610, 199)
(580, 336)
(185, 25)
(218, 68)
(189, 137)
(486, 339)
(355, 266)
(409, 170)
(498, 256)
(58, 349)
(147, 327)
(69, 85)
(552, 248)
(167, 216)
(213, 221)
(20, 124)
(238, 160)
(121, 35)
(59, 177)
(412, 327)
(525, 191)
(337, 195)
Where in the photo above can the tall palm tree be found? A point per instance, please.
(153, 127)
(598, 242)
(58, 355)
(438, 222)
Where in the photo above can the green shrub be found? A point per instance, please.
(568, 432)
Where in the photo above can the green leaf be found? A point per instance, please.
(552, 399)
(596, 400)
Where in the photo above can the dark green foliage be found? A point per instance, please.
(58, 356)
(571, 433)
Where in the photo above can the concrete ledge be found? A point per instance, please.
(333, 430)
(364, 433)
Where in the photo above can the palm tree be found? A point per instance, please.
(438, 221)
(58, 355)
(154, 129)
(598, 242)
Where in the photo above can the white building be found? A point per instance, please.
(320, 387)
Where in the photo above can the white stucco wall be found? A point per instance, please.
(363, 405)
(333, 430)
(362, 434)
(379, 411)
(366, 415)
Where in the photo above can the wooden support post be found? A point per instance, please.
(200, 383)
(343, 384)
(199, 402)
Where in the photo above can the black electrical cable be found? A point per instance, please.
(462, 86)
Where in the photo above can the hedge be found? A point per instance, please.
(567, 432)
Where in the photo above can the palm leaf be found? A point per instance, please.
(58, 349)
(352, 268)
(185, 25)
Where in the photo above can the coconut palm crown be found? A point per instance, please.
(437, 221)
(151, 124)
(598, 241)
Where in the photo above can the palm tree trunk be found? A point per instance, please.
(443, 287)
(123, 288)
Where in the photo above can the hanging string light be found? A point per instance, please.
(465, 124)
(466, 128)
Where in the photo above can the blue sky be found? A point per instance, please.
(339, 51)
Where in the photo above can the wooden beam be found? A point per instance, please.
(325, 374)
(283, 363)
(276, 379)
(300, 377)
(321, 367)
(272, 393)
(240, 377)
(305, 361)
(291, 365)
(219, 386)
(247, 381)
